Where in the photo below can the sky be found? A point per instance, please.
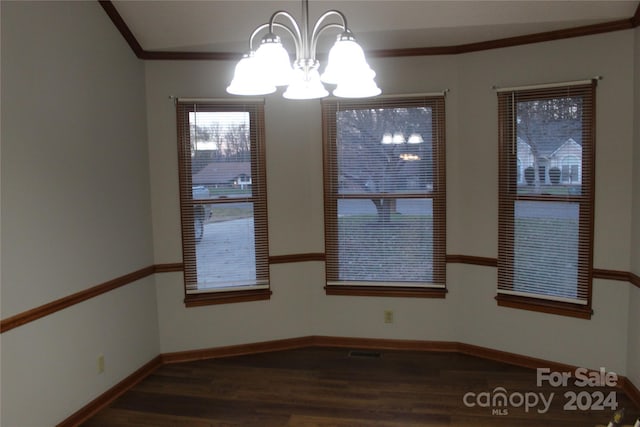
(226, 119)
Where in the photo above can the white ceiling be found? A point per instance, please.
(224, 25)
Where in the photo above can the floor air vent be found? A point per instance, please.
(364, 354)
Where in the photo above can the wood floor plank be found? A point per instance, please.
(332, 387)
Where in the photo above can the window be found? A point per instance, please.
(571, 169)
(223, 201)
(384, 178)
(546, 220)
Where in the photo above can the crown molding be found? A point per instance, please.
(635, 21)
(122, 26)
(586, 30)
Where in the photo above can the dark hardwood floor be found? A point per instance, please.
(338, 387)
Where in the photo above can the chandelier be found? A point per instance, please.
(259, 72)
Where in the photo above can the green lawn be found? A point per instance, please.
(397, 250)
(546, 255)
(215, 192)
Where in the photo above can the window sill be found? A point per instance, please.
(385, 291)
(198, 300)
(544, 306)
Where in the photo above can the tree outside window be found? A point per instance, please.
(384, 193)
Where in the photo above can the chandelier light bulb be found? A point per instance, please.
(398, 138)
(415, 138)
(387, 138)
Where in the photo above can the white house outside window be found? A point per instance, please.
(546, 219)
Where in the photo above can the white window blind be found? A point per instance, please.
(223, 199)
(547, 138)
(385, 192)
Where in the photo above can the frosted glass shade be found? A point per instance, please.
(275, 63)
(305, 87)
(248, 78)
(346, 61)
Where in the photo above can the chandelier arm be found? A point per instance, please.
(277, 25)
(314, 40)
(317, 29)
(295, 33)
(255, 33)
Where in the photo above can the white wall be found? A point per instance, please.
(469, 313)
(75, 208)
(634, 301)
(635, 247)
(634, 337)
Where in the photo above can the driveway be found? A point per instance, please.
(226, 251)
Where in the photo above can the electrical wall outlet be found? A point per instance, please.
(388, 316)
(100, 364)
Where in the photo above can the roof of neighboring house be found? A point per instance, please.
(551, 136)
(567, 142)
(222, 172)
